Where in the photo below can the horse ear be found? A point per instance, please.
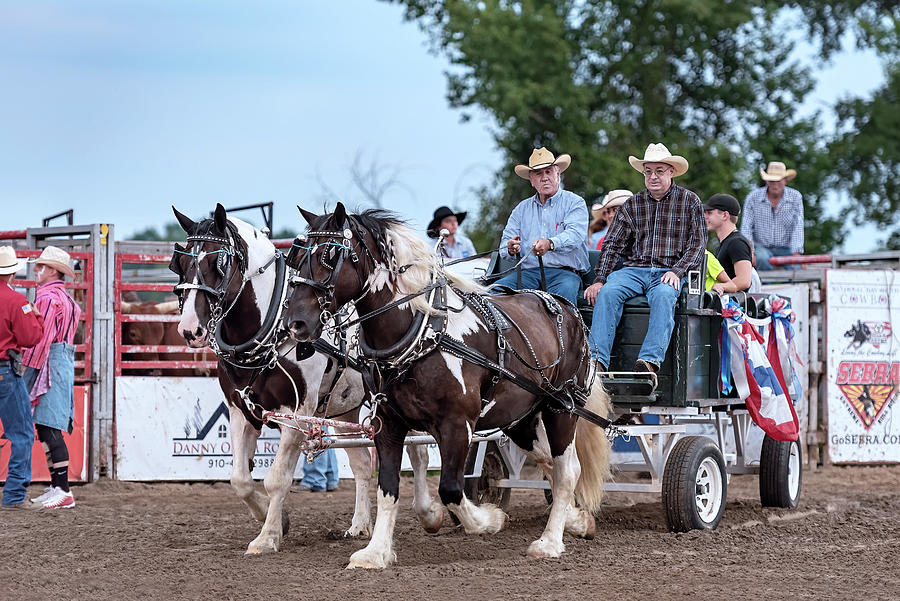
(220, 217)
(186, 223)
(340, 213)
(309, 216)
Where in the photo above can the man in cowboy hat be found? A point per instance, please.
(50, 372)
(660, 234)
(20, 327)
(552, 225)
(456, 245)
(773, 216)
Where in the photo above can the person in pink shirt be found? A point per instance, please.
(20, 327)
(50, 372)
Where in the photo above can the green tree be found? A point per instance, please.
(170, 231)
(600, 80)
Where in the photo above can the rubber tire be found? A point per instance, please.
(775, 473)
(479, 490)
(692, 456)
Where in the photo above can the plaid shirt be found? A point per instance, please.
(669, 233)
(768, 228)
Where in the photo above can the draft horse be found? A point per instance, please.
(450, 360)
(232, 288)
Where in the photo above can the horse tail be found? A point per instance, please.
(593, 449)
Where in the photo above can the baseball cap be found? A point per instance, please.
(723, 202)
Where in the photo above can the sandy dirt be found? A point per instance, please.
(186, 541)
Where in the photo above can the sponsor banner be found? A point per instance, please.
(863, 312)
(76, 442)
(173, 428)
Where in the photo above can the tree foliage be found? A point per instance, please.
(715, 81)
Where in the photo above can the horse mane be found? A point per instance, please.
(406, 247)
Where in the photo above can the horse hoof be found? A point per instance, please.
(260, 549)
(367, 561)
(433, 522)
(357, 532)
(544, 549)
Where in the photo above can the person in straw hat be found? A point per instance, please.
(552, 225)
(773, 216)
(50, 372)
(604, 212)
(660, 234)
(20, 327)
(457, 245)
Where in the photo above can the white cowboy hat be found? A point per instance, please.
(615, 198)
(541, 158)
(56, 258)
(9, 263)
(777, 172)
(658, 153)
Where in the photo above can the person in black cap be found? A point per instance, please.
(456, 245)
(721, 212)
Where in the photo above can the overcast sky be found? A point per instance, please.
(121, 109)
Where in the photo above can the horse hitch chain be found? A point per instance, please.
(613, 432)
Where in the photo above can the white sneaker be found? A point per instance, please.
(62, 500)
(49, 492)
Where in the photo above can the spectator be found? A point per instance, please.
(598, 226)
(773, 216)
(610, 205)
(456, 245)
(552, 224)
(322, 474)
(714, 272)
(721, 213)
(50, 372)
(660, 233)
(20, 327)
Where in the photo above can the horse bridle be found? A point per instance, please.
(226, 266)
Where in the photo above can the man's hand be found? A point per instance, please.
(514, 245)
(671, 279)
(590, 293)
(718, 288)
(541, 247)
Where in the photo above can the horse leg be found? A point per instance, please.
(454, 444)
(430, 512)
(379, 553)
(243, 447)
(361, 464)
(563, 514)
(278, 482)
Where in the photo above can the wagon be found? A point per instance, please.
(690, 471)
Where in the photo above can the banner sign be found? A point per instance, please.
(173, 428)
(76, 442)
(863, 308)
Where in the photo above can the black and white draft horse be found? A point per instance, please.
(231, 287)
(373, 260)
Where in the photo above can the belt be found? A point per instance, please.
(4, 363)
(566, 267)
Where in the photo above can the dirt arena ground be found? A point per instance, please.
(178, 541)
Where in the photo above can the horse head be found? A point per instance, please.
(332, 262)
(212, 270)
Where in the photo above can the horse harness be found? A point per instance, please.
(427, 333)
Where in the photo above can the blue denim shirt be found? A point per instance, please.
(462, 247)
(562, 219)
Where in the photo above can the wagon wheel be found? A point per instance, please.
(780, 473)
(482, 489)
(694, 485)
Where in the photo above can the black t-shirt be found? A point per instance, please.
(735, 247)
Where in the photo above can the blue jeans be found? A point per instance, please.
(15, 414)
(622, 285)
(559, 281)
(322, 473)
(763, 254)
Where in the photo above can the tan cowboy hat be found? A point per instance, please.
(541, 158)
(615, 198)
(777, 172)
(56, 258)
(9, 263)
(658, 153)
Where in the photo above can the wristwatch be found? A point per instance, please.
(552, 246)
